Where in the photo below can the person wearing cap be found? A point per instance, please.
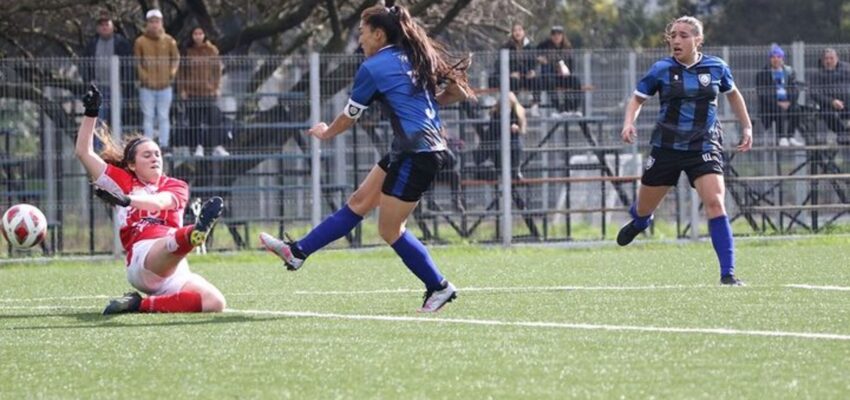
(831, 91)
(158, 60)
(556, 72)
(776, 85)
(98, 57)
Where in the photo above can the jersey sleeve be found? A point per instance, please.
(115, 180)
(178, 189)
(650, 83)
(727, 83)
(362, 93)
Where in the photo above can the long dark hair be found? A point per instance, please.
(119, 155)
(431, 63)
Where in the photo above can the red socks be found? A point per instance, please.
(180, 302)
(184, 246)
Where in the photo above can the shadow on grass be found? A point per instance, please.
(93, 320)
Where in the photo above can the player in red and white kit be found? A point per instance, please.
(150, 208)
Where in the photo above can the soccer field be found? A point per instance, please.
(530, 322)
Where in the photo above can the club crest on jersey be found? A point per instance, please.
(704, 79)
(650, 161)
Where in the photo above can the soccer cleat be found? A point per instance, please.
(628, 233)
(129, 303)
(207, 218)
(283, 249)
(731, 280)
(436, 299)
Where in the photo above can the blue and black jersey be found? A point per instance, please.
(387, 77)
(688, 94)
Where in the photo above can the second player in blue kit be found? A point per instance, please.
(688, 136)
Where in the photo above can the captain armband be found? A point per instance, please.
(354, 109)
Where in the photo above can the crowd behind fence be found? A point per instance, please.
(234, 126)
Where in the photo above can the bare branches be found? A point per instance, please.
(267, 28)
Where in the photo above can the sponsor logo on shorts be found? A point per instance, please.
(650, 161)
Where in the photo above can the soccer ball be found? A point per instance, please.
(24, 226)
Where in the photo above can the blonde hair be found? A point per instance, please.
(695, 24)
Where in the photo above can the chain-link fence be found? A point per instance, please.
(235, 127)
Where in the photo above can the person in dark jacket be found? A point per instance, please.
(557, 72)
(521, 63)
(776, 85)
(831, 91)
(98, 57)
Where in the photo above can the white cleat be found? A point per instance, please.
(435, 300)
(282, 249)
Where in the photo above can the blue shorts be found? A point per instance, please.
(410, 175)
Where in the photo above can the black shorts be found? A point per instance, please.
(664, 166)
(411, 174)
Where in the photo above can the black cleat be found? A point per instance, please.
(210, 213)
(628, 233)
(130, 303)
(731, 280)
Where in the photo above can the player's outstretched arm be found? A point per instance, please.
(629, 133)
(84, 148)
(736, 102)
(339, 125)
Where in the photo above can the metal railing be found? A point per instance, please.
(567, 176)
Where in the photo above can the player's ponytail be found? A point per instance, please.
(114, 153)
(429, 60)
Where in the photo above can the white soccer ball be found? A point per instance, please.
(24, 226)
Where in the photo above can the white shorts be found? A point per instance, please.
(149, 282)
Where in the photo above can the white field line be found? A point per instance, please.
(100, 296)
(814, 287)
(507, 289)
(550, 325)
(4, 307)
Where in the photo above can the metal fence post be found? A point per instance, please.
(115, 102)
(315, 144)
(588, 80)
(505, 123)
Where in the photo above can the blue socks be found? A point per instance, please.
(332, 228)
(416, 258)
(724, 244)
(640, 222)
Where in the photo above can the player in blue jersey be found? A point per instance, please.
(411, 76)
(687, 136)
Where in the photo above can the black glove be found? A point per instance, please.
(111, 198)
(91, 102)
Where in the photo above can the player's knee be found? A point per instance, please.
(361, 203)
(390, 233)
(714, 207)
(213, 302)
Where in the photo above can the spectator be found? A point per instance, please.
(489, 147)
(98, 53)
(200, 86)
(556, 72)
(158, 58)
(831, 91)
(522, 73)
(776, 85)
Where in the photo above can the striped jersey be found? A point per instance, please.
(387, 77)
(687, 119)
